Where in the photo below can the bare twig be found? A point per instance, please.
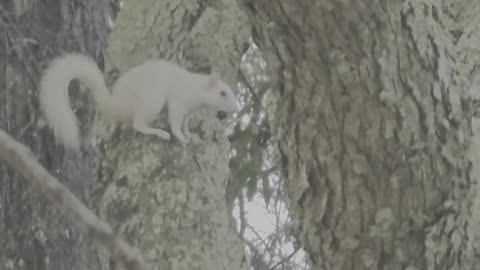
(250, 87)
(284, 260)
(242, 215)
(19, 157)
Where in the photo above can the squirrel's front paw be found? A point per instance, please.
(181, 138)
(163, 135)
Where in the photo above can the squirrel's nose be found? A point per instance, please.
(221, 115)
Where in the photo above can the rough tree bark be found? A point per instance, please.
(166, 199)
(377, 128)
(33, 235)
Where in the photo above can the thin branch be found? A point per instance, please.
(243, 219)
(250, 87)
(19, 157)
(285, 259)
(268, 248)
(267, 172)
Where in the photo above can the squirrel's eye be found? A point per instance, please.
(223, 93)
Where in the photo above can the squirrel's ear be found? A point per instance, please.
(213, 79)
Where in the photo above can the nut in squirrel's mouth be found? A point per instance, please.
(221, 115)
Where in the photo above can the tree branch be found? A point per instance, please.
(19, 157)
(284, 260)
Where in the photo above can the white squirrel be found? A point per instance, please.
(137, 98)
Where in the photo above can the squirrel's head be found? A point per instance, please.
(221, 96)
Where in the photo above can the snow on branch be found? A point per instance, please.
(20, 158)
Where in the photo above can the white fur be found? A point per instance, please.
(138, 96)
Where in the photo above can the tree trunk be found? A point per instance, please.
(33, 235)
(166, 199)
(376, 128)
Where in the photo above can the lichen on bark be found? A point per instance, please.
(164, 198)
(374, 125)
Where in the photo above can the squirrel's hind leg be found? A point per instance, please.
(143, 115)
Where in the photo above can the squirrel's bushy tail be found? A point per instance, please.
(53, 96)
